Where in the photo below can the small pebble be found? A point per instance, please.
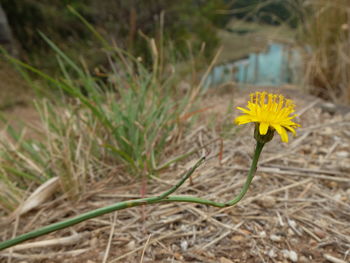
(313, 243)
(290, 254)
(293, 256)
(303, 259)
(184, 245)
(294, 241)
(337, 197)
(225, 260)
(276, 238)
(272, 253)
(262, 234)
(267, 201)
(290, 232)
(320, 233)
(131, 245)
(328, 131)
(292, 223)
(238, 238)
(342, 154)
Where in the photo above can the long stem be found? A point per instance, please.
(164, 197)
(250, 176)
(98, 212)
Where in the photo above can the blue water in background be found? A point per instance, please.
(279, 65)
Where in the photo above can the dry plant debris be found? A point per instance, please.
(297, 209)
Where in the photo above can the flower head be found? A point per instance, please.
(270, 112)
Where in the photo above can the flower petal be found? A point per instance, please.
(263, 128)
(290, 128)
(282, 132)
(244, 110)
(243, 119)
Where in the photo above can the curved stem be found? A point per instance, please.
(164, 197)
(250, 176)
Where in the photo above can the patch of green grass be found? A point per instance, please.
(130, 114)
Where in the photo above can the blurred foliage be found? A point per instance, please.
(181, 21)
(27, 17)
(322, 27)
(326, 30)
(275, 12)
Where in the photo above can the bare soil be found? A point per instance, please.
(297, 208)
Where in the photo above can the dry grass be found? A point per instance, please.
(327, 32)
(299, 201)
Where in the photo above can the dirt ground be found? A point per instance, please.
(296, 210)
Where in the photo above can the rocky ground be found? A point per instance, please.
(297, 208)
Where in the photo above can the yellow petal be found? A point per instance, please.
(291, 129)
(244, 110)
(282, 132)
(263, 128)
(243, 119)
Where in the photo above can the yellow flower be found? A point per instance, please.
(270, 112)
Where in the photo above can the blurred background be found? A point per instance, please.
(265, 42)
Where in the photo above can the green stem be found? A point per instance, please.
(251, 173)
(164, 197)
(98, 212)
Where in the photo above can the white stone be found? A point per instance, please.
(272, 253)
(343, 154)
(293, 256)
(262, 234)
(184, 245)
(275, 238)
(290, 254)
